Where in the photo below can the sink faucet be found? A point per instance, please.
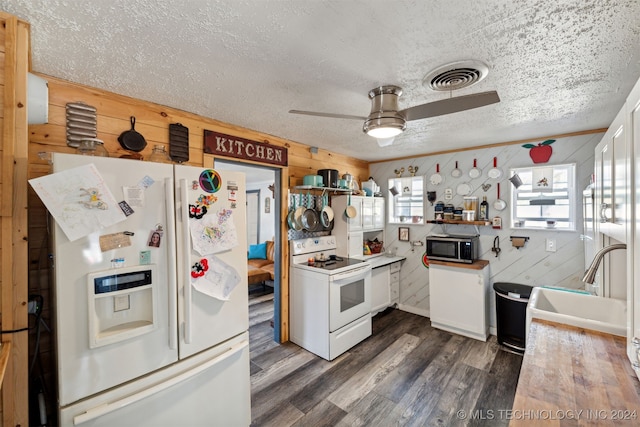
(590, 274)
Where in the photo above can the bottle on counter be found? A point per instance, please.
(484, 209)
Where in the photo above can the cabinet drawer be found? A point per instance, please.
(394, 277)
(394, 267)
(394, 292)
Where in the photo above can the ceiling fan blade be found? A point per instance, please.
(331, 115)
(450, 105)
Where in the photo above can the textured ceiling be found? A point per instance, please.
(559, 66)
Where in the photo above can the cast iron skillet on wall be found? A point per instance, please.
(131, 139)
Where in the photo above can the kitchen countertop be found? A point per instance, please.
(382, 260)
(478, 264)
(573, 376)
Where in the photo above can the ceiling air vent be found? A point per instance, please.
(456, 75)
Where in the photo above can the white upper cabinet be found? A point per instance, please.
(369, 213)
(613, 180)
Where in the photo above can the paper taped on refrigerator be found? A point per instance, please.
(214, 277)
(79, 200)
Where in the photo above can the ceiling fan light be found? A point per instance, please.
(384, 121)
(384, 127)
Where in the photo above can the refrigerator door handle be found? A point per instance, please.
(104, 409)
(171, 254)
(186, 245)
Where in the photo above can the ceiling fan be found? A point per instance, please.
(386, 121)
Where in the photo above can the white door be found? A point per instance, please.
(84, 370)
(253, 217)
(211, 226)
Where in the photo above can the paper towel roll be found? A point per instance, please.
(518, 242)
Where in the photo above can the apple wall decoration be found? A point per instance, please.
(540, 153)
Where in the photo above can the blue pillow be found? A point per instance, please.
(258, 251)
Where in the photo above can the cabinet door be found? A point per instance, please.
(355, 223)
(458, 300)
(613, 181)
(355, 244)
(367, 213)
(378, 213)
(620, 176)
(380, 291)
(605, 208)
(633, 288)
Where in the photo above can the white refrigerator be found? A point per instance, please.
(149, 333)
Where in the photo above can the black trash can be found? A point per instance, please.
(511, 313)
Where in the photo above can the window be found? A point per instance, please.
(546, 199)
(406, 204)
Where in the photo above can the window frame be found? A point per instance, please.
(566, 193)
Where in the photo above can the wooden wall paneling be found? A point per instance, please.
(13, 210)
(152, 121)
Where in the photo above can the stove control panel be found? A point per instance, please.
(312, 244)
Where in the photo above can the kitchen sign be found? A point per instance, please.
(240, 148)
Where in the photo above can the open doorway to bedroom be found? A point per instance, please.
(264, 246)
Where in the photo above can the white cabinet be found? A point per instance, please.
(367, 224)
(369, 213)
(459, 299)
(380, 290)
(613, 180)
(394, 282)
(385, 286)
(633, 260)
(378, 213)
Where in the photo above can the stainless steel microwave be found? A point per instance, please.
(455, 248)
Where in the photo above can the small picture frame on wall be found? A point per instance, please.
(403, 234)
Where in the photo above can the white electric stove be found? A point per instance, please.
(330, 298)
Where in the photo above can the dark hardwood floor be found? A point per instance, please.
(406, 374)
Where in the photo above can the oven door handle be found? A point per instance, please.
(349, 276)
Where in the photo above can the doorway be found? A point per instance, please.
(263, 223)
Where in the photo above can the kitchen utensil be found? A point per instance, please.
(178, 142)
(81, 123)
(436, 178)
(342, 183)
(329, 177)
(132, 140)
(350, 210)
(431, 197)
(499, 204)
(515, 180)
(326, 214)
(310, 218)
(475, 172)
(456, 173)
(494, 172)
(297, 216)
(291, 217)
(312, 180)
(463, 189)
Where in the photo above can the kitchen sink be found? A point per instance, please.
(582, 310)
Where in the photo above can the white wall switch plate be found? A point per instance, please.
(551, 245)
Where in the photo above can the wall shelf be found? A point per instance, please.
(323, 189)
(455, 221)
(444, 222)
